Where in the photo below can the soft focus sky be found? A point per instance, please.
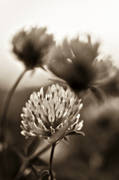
(62, 17)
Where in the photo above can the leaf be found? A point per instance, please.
(76, 133)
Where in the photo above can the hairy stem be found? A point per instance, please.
(7, 103)
(51, 161)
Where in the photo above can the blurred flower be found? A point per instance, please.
(74, 61)
(48, 110)
(31, 46)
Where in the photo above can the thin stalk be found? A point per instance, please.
(51, 161)
(7, 103)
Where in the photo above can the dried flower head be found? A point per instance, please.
(31, 46)
(74, 62)
(48, 110)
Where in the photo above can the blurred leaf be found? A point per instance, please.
(76, 133)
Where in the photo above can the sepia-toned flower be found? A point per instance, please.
(48, 110)
(31, 46)
(74, 62)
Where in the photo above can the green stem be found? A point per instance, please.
(51, 161)
(7, 103)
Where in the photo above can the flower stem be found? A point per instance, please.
(43, 148)
(51, 161)
(6, 107)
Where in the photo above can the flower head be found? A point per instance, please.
(31, 46)
(48, 110)
(74, 62)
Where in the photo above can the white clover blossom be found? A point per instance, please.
(48, 110)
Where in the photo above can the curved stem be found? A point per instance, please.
(51, 161)
(7, 103)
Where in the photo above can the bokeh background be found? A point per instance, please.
(95, 156)
(63, 18)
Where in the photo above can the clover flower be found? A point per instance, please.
(74, 62)
(48, 110)
(31, 46)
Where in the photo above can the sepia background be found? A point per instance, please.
(63, 18)
(95, 156)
